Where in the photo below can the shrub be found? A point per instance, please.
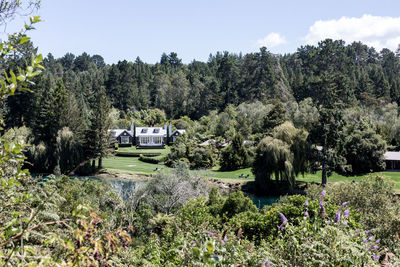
(235, 156)
(153, 160)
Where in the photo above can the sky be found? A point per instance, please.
(126, 29)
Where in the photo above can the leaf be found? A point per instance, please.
(24, 39)
(34, 19)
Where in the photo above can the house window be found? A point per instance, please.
(144, 140)
(156, 130)
(124, 139)
(144, 130)
(157, 139)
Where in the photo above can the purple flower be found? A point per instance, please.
(306, 214)
(226, 239)
(346, 212)
(377, 241)
(323, 193)
(209, 233)
(375, 257)
(306, 203)
(284, 221)
(374, 247)
(345, 223)
(367, 231)
(321, 204)
(283, 218)
(337, 217)
(364, 240)
(370, 238)
(328, 222)
(267, 263)
(344, 204)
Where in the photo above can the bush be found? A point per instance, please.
(235, 156)
(153, 160)
(202, 158)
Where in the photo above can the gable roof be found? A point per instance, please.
(179, 131)
(117, 132)
(392, 155)
(151, 131)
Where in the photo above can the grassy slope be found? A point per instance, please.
(133, 165)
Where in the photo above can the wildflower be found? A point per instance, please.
(306, 203)
(267, 263)
(377, 241)
(346, 212)
(283, 218)
(321, 204)
(323, 193)
(284, 221)
(374, 247)
(367, 231)
(209, 233)
(364, 240)
(226, 239)
(345, 223)
(306, 214)
(375, 257)
(370, 238)
(337, 217)
(344, 204)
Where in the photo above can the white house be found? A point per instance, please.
(151, 136)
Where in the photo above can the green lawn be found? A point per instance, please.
(394, 176)
(131, 165)
(135, 166)
(133, 149)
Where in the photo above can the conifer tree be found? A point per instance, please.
(97, 137)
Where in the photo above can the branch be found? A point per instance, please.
(33, 228)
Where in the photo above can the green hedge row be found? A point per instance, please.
(136, 154)
(153, 160)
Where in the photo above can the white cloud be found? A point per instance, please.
(375, 31)
(271, 40)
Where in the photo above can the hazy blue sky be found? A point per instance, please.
(123, 29)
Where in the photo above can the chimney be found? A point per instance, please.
(132, 128)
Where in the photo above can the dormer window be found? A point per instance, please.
(144, 131)
(156, 130)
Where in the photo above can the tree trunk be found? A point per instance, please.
(100, 163)
(323, 182)
(93, 165)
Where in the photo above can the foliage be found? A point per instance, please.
(235, 156)
(364, 149)
(284, 155)
(166, 192)
(153, 160)
(373, 200)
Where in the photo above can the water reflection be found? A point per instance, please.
(125, 187)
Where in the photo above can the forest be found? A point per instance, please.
(331, 108)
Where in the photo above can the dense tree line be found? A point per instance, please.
(251, 94)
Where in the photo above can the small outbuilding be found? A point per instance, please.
(122, 136)
(392, 159)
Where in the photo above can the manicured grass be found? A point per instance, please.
(215, 173)
(131, 165)
(135, 166)
(316, 177)
(133, 149)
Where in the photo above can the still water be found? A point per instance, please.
(127, 187)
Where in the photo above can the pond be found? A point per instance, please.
(126, 187)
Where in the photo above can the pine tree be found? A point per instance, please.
(97, 137)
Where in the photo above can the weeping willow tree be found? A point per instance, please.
(281, 157)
